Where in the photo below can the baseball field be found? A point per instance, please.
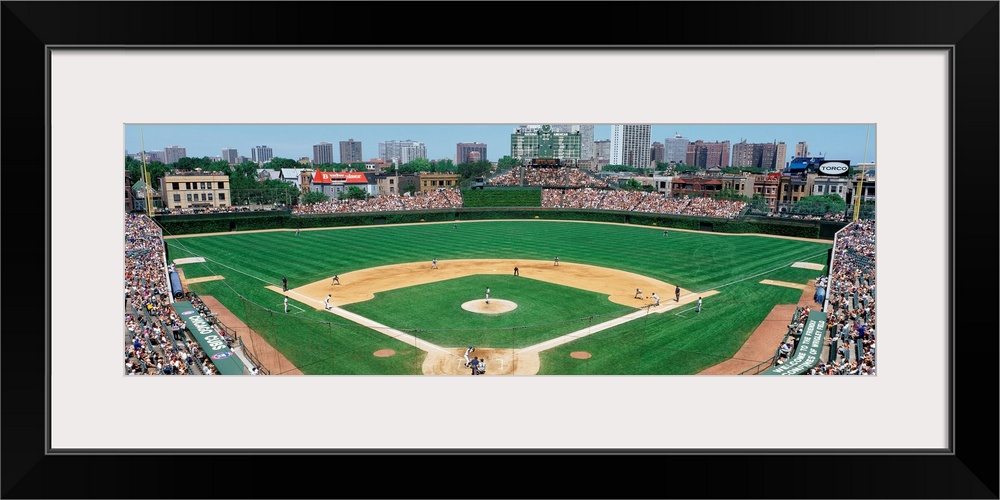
(393, 313)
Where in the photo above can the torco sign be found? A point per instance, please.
(833, 168)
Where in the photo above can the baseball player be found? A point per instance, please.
(434, 263)
(487, 295)
(286, 304)
(336, 280)
(555, 262)
(326, 302)
(699, 304)
(482, 366)
(638, 293)
(468, 351)
(656, 299)
(677, 294)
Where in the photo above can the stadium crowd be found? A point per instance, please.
(568, 177)
(850, 295)
(441, 198)
(640, 201)
(155, 343)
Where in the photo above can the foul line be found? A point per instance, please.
(380, 328)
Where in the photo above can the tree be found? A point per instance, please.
(134, 169)
(445, 165)
(618, 168)
(219, 166)
(419, 165)
(630, 185)
(187, 163)
(759, 204)
(247, 169)
(820, 205)
(474, 169)
(353, 193)
(156, 170)
(314, 197)
(685, 168)
(280, 163)
(508, 162)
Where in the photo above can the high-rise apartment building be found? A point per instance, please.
(231, 156)
(780, 154)
(587, 142)
(174, 153)
(464, 152)
(602, 149)
(704, 155)
(801, 149)
(657, 152)
(152, 156)
(675, 149)
(769, 156)
(322, 153)
(401, 152)
(261, 154)
(630, 145)
(532, 142)
(350, 151)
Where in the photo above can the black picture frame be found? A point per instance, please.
(970, 28)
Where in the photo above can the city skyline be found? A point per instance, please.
(835, 141)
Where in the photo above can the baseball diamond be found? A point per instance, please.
(580, 317)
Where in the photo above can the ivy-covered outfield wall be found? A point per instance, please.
(230, 222)
(502, 197)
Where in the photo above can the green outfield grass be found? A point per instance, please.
(662, 344)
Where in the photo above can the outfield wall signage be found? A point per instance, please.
(810, 348)
(208, 338)
(835, 168)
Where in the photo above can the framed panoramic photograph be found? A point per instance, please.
(318, 239)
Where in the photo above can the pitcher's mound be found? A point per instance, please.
(496, 306)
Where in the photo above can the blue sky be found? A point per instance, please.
(840, 142)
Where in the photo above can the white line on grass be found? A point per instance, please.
(380, 328)
(761, 273)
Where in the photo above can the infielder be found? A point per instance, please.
(326, 302)
(656, 299)
(487, 295)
